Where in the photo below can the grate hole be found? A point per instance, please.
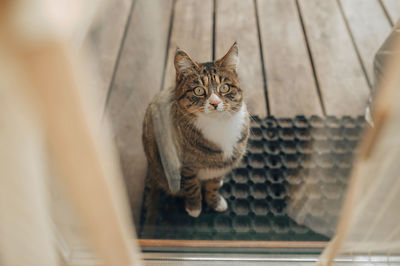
(335, 133)
(256, 133)
(286, 133)
(259, 191)
(240, 207)
(293, 177)
(278, 206)
(269, 122)
(300, 122)
(285, 122)
(344, 160)
(274, 161)
(348, 122)
(226, 190)
(272, 147)
(261, 224)
(304, 147)
(319, 134)
(306, 161)
(332, 122)
(280, 225)
(223, 223)
(259, 207)
(240, 175)
(303, 134)
(277, 191)
(275, 175)
(352, 133)
(240, 191)
(242, 224)
(256, 161)
(255, 146)
(288, 147)
(324, 160)
(316, 122)
(322, 146)
(290, 160)
(270, 133)
(258, 175)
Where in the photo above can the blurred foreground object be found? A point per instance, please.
(369, 225)
(60, 186)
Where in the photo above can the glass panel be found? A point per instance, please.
(306, 78)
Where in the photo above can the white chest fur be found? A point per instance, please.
(222, 130)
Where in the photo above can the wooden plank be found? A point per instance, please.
(290, 79)
(342, 82)
(393, 9)
(369, 27)
(230, 244)
(236, 21)
(192, 32)
(104, 42)
(137, 80)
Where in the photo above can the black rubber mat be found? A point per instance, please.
(281, 154)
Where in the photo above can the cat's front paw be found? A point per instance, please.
(194, 213)
(222, 205)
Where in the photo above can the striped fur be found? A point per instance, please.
(212, 124)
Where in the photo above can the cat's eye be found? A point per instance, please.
(225, 88)
(199, 91)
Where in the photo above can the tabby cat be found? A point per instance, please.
(211, 122)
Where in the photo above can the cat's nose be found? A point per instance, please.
(214, 100)
(215, 104)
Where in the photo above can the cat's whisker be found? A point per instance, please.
(252, 117)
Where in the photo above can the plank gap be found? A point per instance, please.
(393, 9)
(353, 41)
(213, 29)
(171, 24)
(317, 85)
(264, 72)
(121, 46)
(391, 22)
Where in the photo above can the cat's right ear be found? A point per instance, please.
(230, 61)
(183, 63)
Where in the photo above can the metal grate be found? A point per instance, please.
(281, 155)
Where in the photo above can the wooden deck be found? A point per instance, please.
(298, 57)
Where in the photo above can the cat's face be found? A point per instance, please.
(209, 88)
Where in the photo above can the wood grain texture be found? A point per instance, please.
(342, 82)
(369, 27)
(192, 32)
(393, 9)
(103, 44)
(236, 21)
(290, 80)
(230, 244)
(137, 80)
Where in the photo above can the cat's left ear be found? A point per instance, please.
(183, 63)
(230, 61)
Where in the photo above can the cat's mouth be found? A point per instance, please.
(219, 114)
(210, 109)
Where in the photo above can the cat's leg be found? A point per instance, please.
(212, 197)
(191, 189)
